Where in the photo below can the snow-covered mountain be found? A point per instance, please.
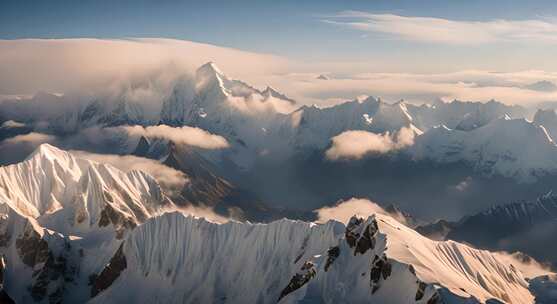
(177, 259)
(75, 196)
(62, 216)
(513, 148)
(73, 230)
(313, 127)
(256, 122)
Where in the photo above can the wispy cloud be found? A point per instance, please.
(446, 31)
(183, 135)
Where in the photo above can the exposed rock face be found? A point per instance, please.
(362, 238)
(332, 255)
(117, 219)
(56, 276)
(111, 272)
(32, 249)
(380, 270)
(421, 290)
(4, 297)
(351, 233)
(306, 273)
(52, 268)
(207, 188)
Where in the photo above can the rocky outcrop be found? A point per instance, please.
(380, 270)
(110, 273)
(306, 273)
(361, 237)
(119, 221)
(4, 297)
(31, 247)
(332, 255)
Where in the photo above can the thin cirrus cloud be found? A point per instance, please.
(446, 31)
(183, 135)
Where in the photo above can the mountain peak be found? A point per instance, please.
(209, 68)
(47, 151)
(271, 92)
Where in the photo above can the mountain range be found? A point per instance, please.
(77, 228)
(272, 138)
(74, 230)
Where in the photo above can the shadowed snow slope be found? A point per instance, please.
(177, 259)
(509, 147)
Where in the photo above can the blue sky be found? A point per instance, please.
(288, 28)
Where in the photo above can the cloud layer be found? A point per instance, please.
(439, 30)
(181, 135)
(144, 70)
(356, 144)
(70, 64)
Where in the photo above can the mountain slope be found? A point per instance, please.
(293, 262)
(523, 226)
(208, 189)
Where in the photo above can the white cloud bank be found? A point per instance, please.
(356, 144)
(439, 30)
(343, 211)
(62, 65)
(144, 70)
(182, 135)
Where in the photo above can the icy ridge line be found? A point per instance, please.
(290, 261)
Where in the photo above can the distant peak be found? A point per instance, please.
(542, 86)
